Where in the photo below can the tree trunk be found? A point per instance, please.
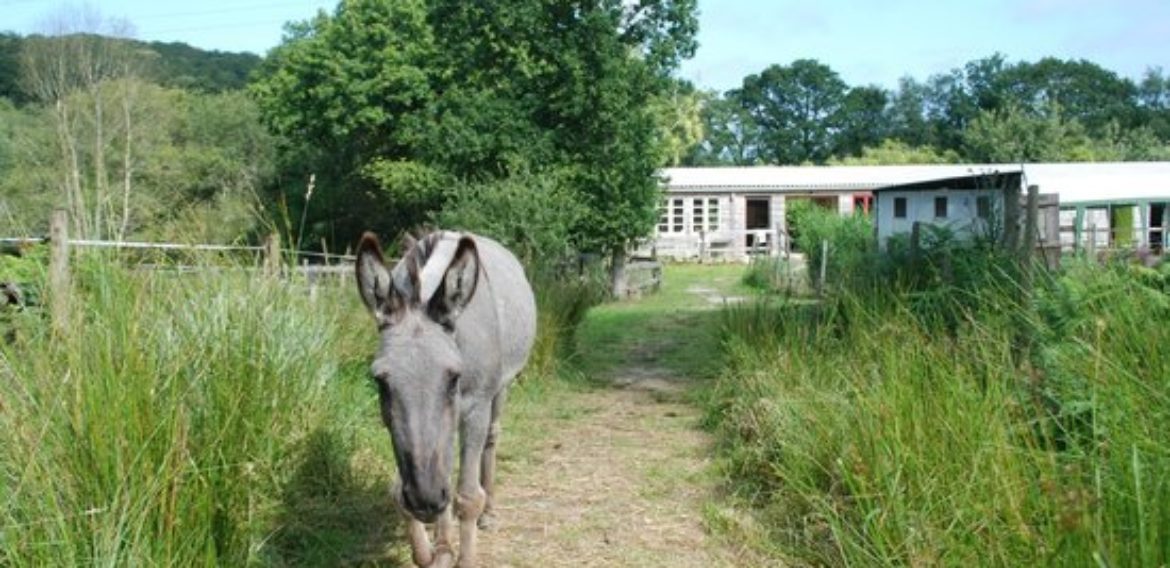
(619, 283)
(127, 165)
(100, 182)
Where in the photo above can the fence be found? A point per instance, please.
(269, 259)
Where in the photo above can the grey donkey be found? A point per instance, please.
(456, 318)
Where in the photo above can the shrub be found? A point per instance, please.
(533, 215)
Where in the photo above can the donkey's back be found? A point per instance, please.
(496, 330)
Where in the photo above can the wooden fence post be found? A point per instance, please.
(60, 284)
(1011, 218)
(1028, 242)
(272, 261)
(824, 264)
(1165, 226)
(1091, 246)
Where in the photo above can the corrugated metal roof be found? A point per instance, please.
(1074, 182)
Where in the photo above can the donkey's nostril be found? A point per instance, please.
(444, 496)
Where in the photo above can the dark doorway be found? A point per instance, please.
(1157, 226)
(758, 218)
(757, 213)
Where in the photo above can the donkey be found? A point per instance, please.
(457, 319)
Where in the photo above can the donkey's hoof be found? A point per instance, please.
(487, 521)
(444, 558)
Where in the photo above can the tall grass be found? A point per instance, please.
(876, 430)
(206, 418)
(167, 425)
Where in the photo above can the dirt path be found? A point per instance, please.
(611, 476)
(622, 484)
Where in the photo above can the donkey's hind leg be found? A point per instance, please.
(487, 470)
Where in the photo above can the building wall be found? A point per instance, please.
(962, 211)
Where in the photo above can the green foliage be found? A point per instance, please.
(175, 165)
(796, 106)
(861, 119)
(10, 68)
(989, 109)
(1013, 135)
(730, 134)
(864, 434)
(851, 242)
(679, 115)
(172, 423)
(474, 94)
(892, 151)
(190, 68)
(210, 417)
(534, 216)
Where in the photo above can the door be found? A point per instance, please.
(758, 221)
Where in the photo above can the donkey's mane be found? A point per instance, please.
(417, 247)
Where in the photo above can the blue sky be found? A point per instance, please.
(867, 42)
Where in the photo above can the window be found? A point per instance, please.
(940, 207)
(899, 207)
(703, 211)
(677, 213)
(983, 207)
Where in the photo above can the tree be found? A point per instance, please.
(861, 119)
(341, 92)
(797, 108)
(89, 80)
(1012, 135)
(679, 116)
(906, 114)
(895, 152)
(731, 135)
(449, 94)
(10, 87)
(1083, 90)
(1153, 100)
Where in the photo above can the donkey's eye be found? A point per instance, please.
(452, 383)
(382, 385)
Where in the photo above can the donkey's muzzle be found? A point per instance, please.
(425, 505)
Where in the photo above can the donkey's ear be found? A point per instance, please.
(373, 279)
(459, 283)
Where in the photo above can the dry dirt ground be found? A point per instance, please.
(622, 483)
(616, 475)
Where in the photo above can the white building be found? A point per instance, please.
(733, 212)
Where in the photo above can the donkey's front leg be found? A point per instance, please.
(469, 503)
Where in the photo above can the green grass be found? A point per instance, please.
(209, 418)
(204, 419)
(673, 330)
(864, 433)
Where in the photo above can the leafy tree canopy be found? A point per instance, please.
(423, 95)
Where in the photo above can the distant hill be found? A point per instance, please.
(187, 67)
(178, 65)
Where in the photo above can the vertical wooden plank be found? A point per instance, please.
(272, 260)
(1091, 247)
(1011, 218)
(1166, 225)
(824, 265)
(60, 283)
(1028, 246)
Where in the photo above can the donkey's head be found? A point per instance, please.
(418, 365)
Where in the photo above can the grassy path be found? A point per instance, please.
(614, 471)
